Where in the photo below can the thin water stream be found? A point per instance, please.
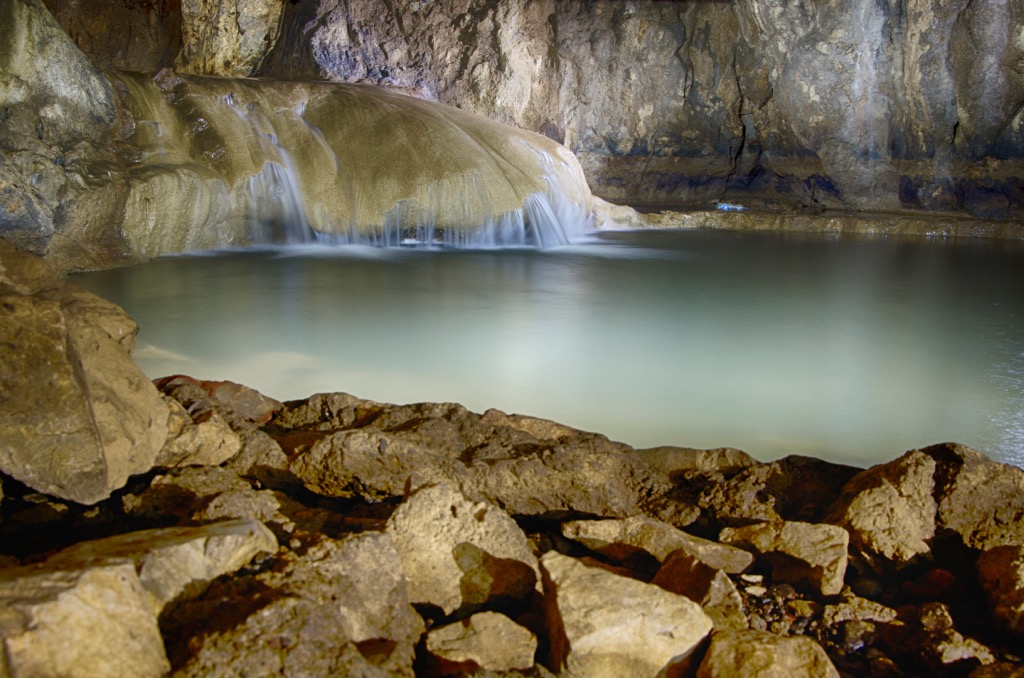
(854, 350)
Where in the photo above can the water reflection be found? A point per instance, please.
(852, 349)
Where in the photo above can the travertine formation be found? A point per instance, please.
(862, 104)
(340, 536)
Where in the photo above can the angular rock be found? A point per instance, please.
(889, 510)
(1001, 573)
(486, 640)
(800, 553)
(430, 531)
(77, 416)
(657, 538)
(203, 441)
(343, 446)
(605, 625)
(671, 459)
(227, 38)
(91, 622)
(176, 561)
(338, 609)
(980, 499)
(855, 608)
(793, 488)
(759, 654)
(710, 588)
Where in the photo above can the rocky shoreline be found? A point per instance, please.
(200, 528)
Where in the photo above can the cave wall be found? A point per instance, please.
(863, 104)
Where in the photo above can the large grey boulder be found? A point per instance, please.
(602, 624)
(77, 416)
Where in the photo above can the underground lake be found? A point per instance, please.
(854, 349)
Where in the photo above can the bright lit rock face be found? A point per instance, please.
(273, 161)
(861, 104)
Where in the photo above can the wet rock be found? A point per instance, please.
(93, 621)
(338, 609)
(757, 653)
(227, 38)
(980, 499)
(800, 553)
(1001, 573)
(177, 561)
(58, 111)
(605, 625)
(656, 538)
(889, 510)
(710, 588)
(125, 35)
(78, 417)
(486, 640)
(428, 530)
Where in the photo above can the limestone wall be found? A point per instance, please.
(864, 104)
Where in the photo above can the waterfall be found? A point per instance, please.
(222, 162)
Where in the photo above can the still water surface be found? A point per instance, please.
(852, 349)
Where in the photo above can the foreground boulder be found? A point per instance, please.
(77, 416)
(602, 624)
(446, 543)
(757, 654)
(487, 640)
(91, 622)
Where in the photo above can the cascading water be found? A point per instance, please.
(270, 162)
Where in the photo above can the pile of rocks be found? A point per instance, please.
(341, 536)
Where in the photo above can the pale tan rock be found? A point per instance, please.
(669, 459)
(428, 529)
(207, 442)
(1001, 573)
(602, 624)
(689, 576)
(980, 499)
(657, 538)
(227, 39)
(800, 553)
(96, 621)
(759, 654)
(175, 561)
(854, 608)
(889, 510)
(487, 640)
(339, 608)
(79, 417)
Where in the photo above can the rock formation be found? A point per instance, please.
(864, 105)
(336, 535)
